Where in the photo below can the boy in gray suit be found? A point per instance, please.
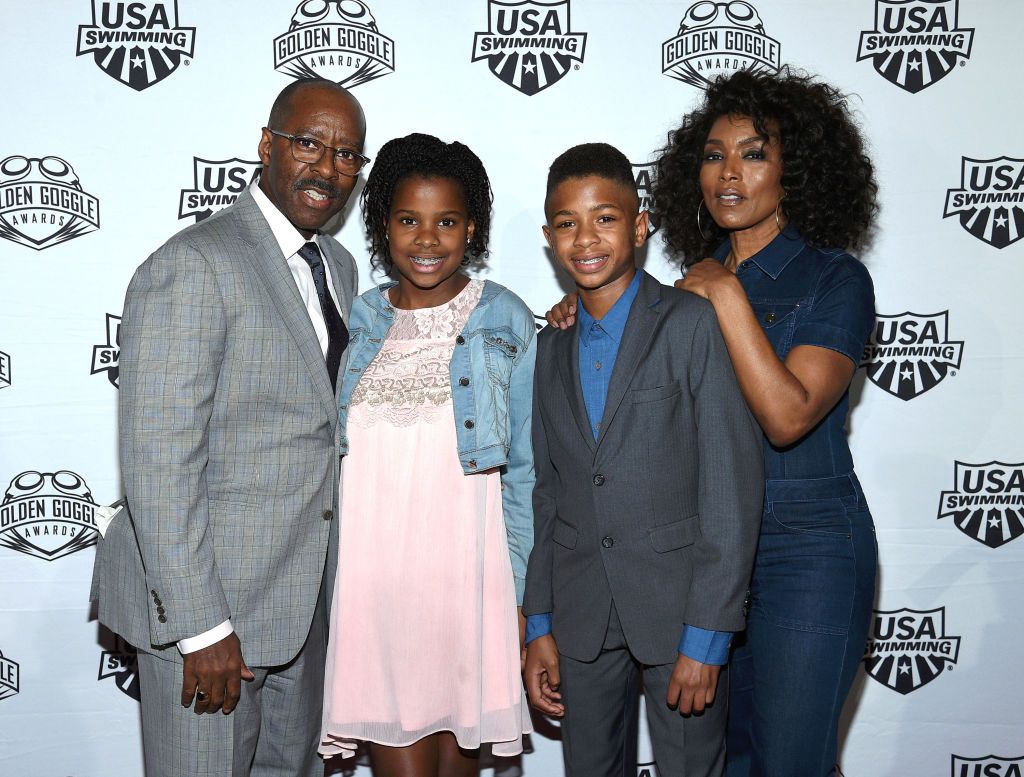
(648, 493)
(232, 339)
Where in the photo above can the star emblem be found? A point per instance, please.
(529, 68)
(915, 65)
(1001, 220)
(904, 669)
(137, 61)
(906, 374)
(993, 522)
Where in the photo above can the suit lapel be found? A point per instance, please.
(569, 370)
(272, 268)
(636, 339)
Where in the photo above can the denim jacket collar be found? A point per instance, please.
(382, 305)
(774, 257)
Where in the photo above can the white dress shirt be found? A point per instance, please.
(290, 241)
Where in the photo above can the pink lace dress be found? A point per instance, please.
(424, 635)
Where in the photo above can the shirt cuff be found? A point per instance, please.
(537, 626)
(207, 638)
(704, 645)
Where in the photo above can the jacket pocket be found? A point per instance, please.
(500, 352)
(673, 536)
(564, 534)
(641, 395)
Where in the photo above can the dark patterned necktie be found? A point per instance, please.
(337, 332)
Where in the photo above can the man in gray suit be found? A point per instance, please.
(648, 494)
(231, 341)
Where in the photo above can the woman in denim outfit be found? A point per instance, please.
(770, 177)
(781, 172)
(436, 520)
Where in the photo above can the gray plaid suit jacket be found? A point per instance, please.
(228, 445)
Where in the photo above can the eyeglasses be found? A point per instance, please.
(310, 151)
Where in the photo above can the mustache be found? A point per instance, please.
(316, 183)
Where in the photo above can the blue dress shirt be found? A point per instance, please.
(599, 347)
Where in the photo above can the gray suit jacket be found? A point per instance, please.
(661, 513)
(228, 445)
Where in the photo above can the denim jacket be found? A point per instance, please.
(492, 393)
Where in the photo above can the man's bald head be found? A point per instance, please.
(306, 87)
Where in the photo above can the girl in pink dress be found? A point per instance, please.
(436, 518)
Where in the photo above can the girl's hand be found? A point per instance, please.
(563, 315)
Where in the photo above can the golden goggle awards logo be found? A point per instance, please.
(10, 677)
(334, 39)
(716, 38)
(42, 202)
(136, 43)
(48, 515)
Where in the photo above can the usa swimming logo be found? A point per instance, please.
(334, 39)
(911, 353)
(137, 43)
(10, 677)
(48, 515)
(643, 175)
(716, 38)
(105, 356)
(990, 200)
(915, 43)
(216, 184)
(907, 649)
(987, 766)
(122, 664)
(987, 502)
(529, 46)
(42, 202)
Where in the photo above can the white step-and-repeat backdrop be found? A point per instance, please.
(127, 121)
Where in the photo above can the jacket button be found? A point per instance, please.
(162, 618)
(469, 423)
(607, 542)
(599, 481)
(513, 349)
(463, 381)
(153, 591)
(161, 610)
(157, 602)
(769, 318)
(328, 514)
(460, 340)
(471, 463)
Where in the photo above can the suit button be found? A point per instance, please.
(469, 424)
(157, 602)
(599, 481)
(160, 610)
(328, 515)
(471, 463)
(463, 381)
(153, 591)
(607, 542)
(162, 618)
(460, 340)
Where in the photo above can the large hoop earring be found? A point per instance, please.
(700, 229)
(778, 223)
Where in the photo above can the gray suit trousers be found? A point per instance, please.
(273, 732)
(600, 699)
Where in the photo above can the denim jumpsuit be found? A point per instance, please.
(814, 576)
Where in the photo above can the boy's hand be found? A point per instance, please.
(563, 315)
(542, 677)
(692, 685)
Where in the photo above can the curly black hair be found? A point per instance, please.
(425, 156)
(600, 159)
(831, 194)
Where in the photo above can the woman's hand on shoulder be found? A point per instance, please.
(705, 279)
(563, 315)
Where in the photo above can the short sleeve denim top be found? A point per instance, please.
(804, 295)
